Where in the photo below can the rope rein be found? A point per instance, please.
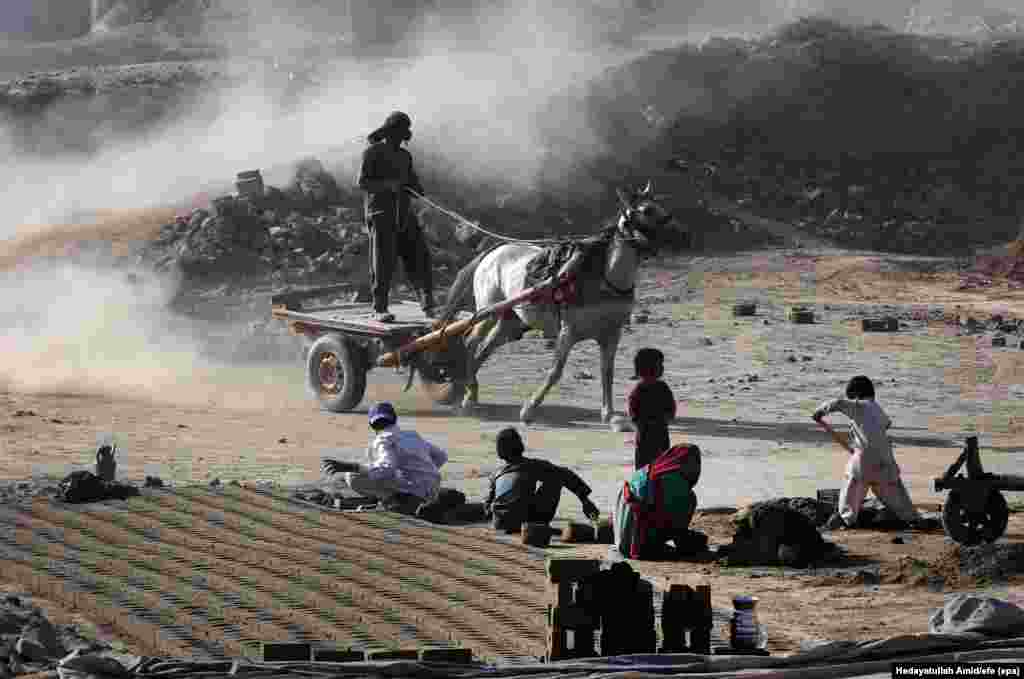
(507, 239)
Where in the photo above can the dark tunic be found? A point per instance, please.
(394, 229)
(528, 489)
(651, 406)
(383, 162)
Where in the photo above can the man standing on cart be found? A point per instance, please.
(386, 176)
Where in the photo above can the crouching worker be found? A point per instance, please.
(527, 490)
(657, 504)
(872, 464)
(404, 470)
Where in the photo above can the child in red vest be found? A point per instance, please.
(651, 405)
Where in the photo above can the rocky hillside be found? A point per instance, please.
(832, 124)
(863, 134)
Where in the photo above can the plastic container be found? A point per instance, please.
(745, 631)
(106, 458)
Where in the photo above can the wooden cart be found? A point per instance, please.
(346, 342)
(975, 510)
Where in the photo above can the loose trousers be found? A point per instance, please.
(886, 485)
(540, 510)
(387, 244)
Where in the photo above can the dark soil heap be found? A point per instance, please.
(309, 231)
(994, 561)
(875, 138)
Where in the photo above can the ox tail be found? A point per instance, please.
(462, 288)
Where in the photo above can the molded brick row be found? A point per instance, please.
(427, 603)
(333, 520)
(207, 526)
(416, 564)
(479, 545)
(144, 634)
(181, 564)
(473, 587)
(432, 606)
(152, 601)
(289, 537)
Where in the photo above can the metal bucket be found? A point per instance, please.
(536, 534)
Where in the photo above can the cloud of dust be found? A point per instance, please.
(474, 110)
(87, 329)
(473, 88)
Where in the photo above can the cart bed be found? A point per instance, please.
(354, 318)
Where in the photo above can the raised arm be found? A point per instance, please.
(838, 405)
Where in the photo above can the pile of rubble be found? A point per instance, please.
(989, 269)
(308, 230)
(997, 325)
(31, 644)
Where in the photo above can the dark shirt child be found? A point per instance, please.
(651, 405)
(527, 489)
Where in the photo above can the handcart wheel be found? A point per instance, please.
(335, 374)
(972, 528)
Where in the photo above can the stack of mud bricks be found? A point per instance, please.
(686, 611)
(585, 599)
(300, 651)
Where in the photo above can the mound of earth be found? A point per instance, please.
(779, 123)
(780, 531)
(310, 229)
(994, 561)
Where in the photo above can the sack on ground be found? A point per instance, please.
(84, 486)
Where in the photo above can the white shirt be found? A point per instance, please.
(868, 433)
(408, 459)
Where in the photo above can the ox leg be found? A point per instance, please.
(609, 346)
(563, 345)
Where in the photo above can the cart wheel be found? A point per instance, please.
(969, 528)
(336, 373)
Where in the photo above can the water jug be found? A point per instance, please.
(106, 464)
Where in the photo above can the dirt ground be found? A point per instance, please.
(193, 420)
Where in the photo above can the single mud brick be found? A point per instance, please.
(583, 643)
(673, 618)
(578, 532)
(801, 315)
(879, 325)
(744, 309)
(397, 654)
(536, 534)
(338, 655)
(557, 643)
(285, 652)
(572, 617)
(462, 656)
(570, 570)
